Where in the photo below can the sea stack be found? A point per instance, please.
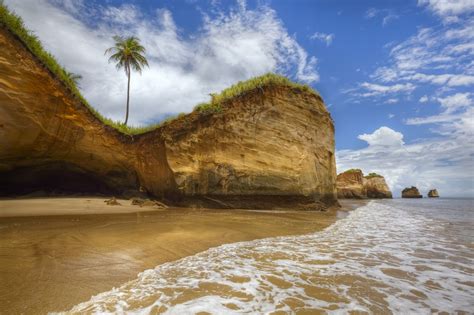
(352, 184)
(433, 193)
(411, 192)
(376, 187)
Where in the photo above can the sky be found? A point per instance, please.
(396, 76)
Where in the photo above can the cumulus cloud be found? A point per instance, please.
(384, 136)
(326, 38)
(229, 46)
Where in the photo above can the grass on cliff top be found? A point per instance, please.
(243, 87)
(353, 170)
(15, 25)
(371, 175)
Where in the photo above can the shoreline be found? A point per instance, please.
(60, 258)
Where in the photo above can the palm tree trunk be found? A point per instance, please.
(128, 94)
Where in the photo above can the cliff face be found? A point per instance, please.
(376, 187)
(411, 192)
(350, 185)
(49, 140)
(353, 185)
(273, 144)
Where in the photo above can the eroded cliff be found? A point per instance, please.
(271, 146)
(352, 184)
(49, 140)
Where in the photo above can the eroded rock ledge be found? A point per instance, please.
(352, 184)
(50, 141)
(271, 146)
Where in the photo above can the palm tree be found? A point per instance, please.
(128, 54)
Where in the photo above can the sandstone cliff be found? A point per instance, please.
(49, 140)
(352, 184)
(411, 192)
(376, 186)
(433, 193)
(272, 145)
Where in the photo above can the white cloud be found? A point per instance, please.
(448, 8)
(371, 13)
(384, 136)
(457, 101)
(373, 89)
(228, 47)
(389, 18)
(388, 15)
(390, 116)
(423, 99)
(326, 38)
(392, 101)
(456, 121)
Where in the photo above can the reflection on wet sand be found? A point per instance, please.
(52, 262)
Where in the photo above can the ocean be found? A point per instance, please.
(390, 256)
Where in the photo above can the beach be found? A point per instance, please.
(57, 252)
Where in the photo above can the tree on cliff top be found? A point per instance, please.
(129, 55)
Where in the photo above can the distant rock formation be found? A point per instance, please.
(411, 192)
(376, 187)
(352, 184)
(433, 193)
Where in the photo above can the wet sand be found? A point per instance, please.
(57, 252)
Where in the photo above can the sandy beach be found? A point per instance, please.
(57, 252)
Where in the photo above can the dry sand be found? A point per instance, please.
(57, 252)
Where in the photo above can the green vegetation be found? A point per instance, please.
(243, 87)
(371, 175)
(353, 170)
(128, 54)
(15, 25)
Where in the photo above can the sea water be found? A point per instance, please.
(391, 256)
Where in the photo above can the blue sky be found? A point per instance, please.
(397, 76)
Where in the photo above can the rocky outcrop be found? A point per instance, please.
(411, 192)
(376, 187)
(433, 193)
(272, 146)
(352, 184)
(49, 140)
